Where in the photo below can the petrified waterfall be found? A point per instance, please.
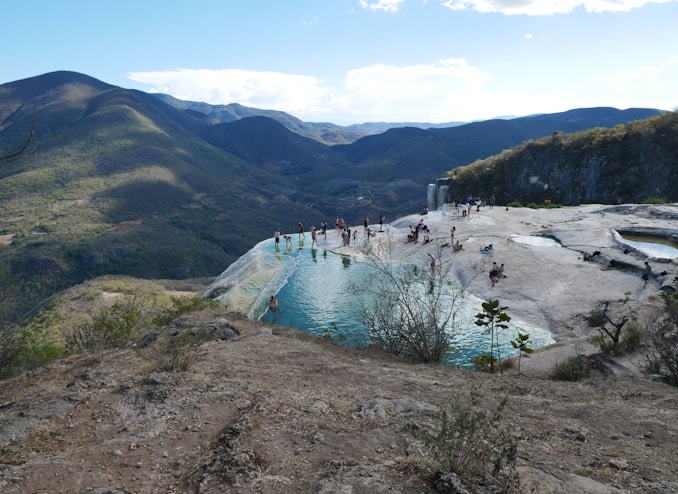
(431, 197)
(439, 193)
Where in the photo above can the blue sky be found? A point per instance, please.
(355, 61)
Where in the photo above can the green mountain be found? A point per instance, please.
(117, 181)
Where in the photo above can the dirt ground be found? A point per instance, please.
(273, 410)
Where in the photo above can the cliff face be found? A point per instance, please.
(625, 164)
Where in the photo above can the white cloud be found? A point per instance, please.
(312, 22)
(445, 91)
(270, 90)
(385, 5)
(546, 7)
(415, 92)
(420, 92)
(648, 86)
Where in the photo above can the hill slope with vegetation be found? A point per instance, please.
(116, 182)
(628, 163)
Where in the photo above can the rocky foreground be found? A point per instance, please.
(274, 410)
(264, 409)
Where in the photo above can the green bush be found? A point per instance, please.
(572, 369)
(12, 341)
(632, 338)
(609, 319)
(653, 200)
(22, 349)
(183, 305)
(605, 345)
(662, 355)
(38, 355)
(534, 205)
(473, 441)
(111, 326)
(485, 363)
(514, 204)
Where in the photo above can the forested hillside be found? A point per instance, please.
(628, 163)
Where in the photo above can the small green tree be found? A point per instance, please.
(523, 344)
(493, 318)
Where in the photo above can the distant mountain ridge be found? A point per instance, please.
(324, 132)
(118, 181)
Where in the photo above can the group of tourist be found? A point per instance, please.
(288, 239)
(421, 229)
(341, 227)
(497, 270)
(418, 232)
(301, 235)
(467, 205)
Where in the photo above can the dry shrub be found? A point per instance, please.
(176, 354)
(473, 441)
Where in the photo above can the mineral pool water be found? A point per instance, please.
(313, 288)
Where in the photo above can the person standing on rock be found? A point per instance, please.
(646, 273)
(273, 303)
(494, 274)
(433, 264)
(381, 222)
(276, 236)
(300, 225)
(314, 237)
(272, 307)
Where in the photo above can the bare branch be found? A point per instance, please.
(31, 135)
